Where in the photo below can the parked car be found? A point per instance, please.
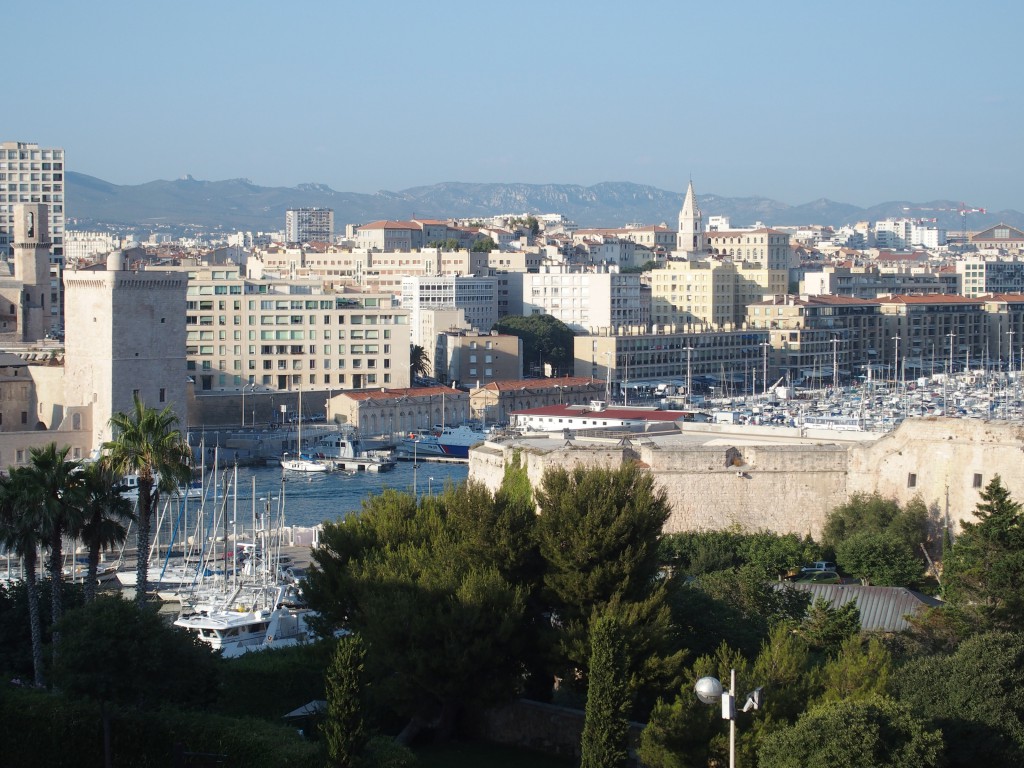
(819, 565)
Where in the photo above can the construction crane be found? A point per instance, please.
(962, 209)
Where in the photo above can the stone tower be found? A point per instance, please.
(32, 270)
(690, 236)
(125, 334)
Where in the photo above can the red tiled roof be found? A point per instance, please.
(535, 385)
(384, 224)
(935, 298)
(393, 394)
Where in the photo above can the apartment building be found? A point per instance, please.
(820, 340)
(477, 296)
(309, 225)
(288, 335)
(871, 281)
(32, 174)
(466, 359)
(711, 293)
(985, 275)
(922, 331)
(582, 300)
(727, 359)
(770, 247)
(81, 246)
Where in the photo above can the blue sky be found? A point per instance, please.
(858, 102)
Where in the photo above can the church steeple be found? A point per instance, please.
(690, 236)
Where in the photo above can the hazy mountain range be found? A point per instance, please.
(188, 205)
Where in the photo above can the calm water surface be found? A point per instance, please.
(311, 499)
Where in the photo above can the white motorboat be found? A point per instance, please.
(129, 488)
(272, 620)
(342, 452)
(447, 442)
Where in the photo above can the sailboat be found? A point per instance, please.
(299, 463)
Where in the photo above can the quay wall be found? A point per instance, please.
(792, 488)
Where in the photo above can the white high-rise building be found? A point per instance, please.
(476, 296)
(32, 174)
(309, 225)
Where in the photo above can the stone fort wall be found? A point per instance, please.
(792, 488)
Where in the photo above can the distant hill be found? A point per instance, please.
(190, 204)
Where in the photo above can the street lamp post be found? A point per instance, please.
(764, 367)
(430, 486)
(896, 364)
(689, 375)
(710, 691)
(415, 467)
(245, 387)
(835, 362)
(608, 383)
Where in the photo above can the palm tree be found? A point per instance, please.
(52, 485)
(20, 533)
(419, 363)
(147, 443)
(106, 513)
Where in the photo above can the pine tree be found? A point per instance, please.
(344, 728)
(605, 727)
(983, 574)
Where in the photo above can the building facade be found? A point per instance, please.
(476, 296)
(464, 359)
(309, 225)
(585, 301)
(711, 293)
(125, 337)
(282, 335)
(32, 174)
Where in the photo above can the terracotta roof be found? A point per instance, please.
(1007, 297)
(741, 232)
(394, 394)
(384, 224)
(892, 256)
(934, 298)
(535, 385)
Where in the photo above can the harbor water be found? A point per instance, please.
(312, 498)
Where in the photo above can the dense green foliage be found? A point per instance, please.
(344, 728)
(545, 339)
(467, 598)
(598, 533)
(878, 541)
(874, 732)
(441, 623)
(605, 741)
(699, 552)
(826, 628)
(985, 570)
(117, 651)
(484, 245)
(975, 694)
(52, 730)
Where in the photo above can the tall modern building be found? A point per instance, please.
(31, 174)
(309, 225)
